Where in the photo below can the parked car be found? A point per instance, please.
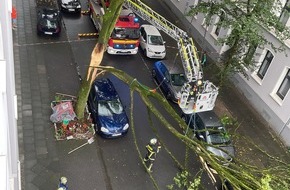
(107, 111)
(151, 42)
(170, 81)
(70, 6)
(209, 129)
(48, 21)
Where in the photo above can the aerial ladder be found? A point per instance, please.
(196, 95)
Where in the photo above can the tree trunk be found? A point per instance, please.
(96, 59)
(109, 21)
(228, 64)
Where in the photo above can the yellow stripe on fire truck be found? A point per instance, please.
(125, 41)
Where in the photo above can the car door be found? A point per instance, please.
(166, 80)
(161, 76)
(93, 106)
(200, 128)
(143, 38)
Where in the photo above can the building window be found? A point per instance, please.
(276, 6)
(284, 16)
(265, 65)
(284, 87)
(218, 24)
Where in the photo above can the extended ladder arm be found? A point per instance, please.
(196, 95)
(185, 44)
(146, 13)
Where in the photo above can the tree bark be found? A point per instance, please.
(109, 20)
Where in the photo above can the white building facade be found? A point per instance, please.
(9, 154)
(267, 88)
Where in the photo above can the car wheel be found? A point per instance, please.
(97, 130)
(145, 53)
(168, 96)
(154, 73)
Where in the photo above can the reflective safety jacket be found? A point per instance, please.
(152, 150)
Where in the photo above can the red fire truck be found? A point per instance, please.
(124, 39)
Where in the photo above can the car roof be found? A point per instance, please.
(209, 118)
(173, 68)
(105, 89)
(151, 30)
(126, 12)
(49, 9)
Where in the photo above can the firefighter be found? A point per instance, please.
(63, 184)
(194, 88)
(152, 149)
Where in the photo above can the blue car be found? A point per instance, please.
(107, 111)
(170, 80)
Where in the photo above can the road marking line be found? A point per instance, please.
(59, 42)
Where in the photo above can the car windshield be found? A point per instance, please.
(69, 1)
(218, 135)
(155, 40)
(110, 107)
(177, 79)
(128, 33)
(49, 24)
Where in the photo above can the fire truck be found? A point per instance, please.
(196, 95)
(124, 39)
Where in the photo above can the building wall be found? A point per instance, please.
(9, 156)
(260, 93)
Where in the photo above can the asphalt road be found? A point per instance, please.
(104, 164)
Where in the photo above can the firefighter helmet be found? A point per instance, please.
(63, 180)
(153, 141)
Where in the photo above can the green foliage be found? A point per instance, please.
(228, 121)
(59, 133)
(245, 20)
(265, 182)
(58, 98)
(182, 181)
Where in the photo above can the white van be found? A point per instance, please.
(151, 42)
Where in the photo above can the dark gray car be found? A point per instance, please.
(209, 129)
